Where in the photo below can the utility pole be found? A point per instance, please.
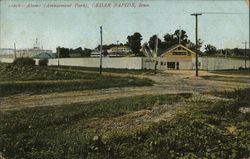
(180, 34)
(245, 53)
(101, 51)
(156, 49)
(58, 56)
(117, 46)
(14, 51)
(156, 45)
(196, 41)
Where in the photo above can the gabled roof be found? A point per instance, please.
(172, 48)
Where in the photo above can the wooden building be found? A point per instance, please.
(178, 57)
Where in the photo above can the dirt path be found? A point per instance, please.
(176, 82)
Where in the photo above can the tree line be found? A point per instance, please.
(67, 52)
(211, 50)
(134, 41)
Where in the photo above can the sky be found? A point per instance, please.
(79, 26)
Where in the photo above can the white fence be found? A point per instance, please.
(6, 60)
(206, 63)
(215, 63)
(125, 63)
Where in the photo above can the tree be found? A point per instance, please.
(152, 40)
(192, 46)
(86, 52)
(134, 41)
(239, 52)
(169, 40)
(62, 52)
(182, 34)
(173, 39)
(210, 49)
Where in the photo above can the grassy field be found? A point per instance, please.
(232, 72)
(57, 132)
(228, 79)
(202, 128)
(110, 70)
(16, 79)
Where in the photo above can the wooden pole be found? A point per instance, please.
(197, 43)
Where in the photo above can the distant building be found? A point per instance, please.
(31, 52)
(45, 55)
(95, 53)
(119, 51)
(11, 53)
(7, 52)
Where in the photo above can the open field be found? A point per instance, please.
(111, 70)
(176, 115)
(164, 83)
(165, 126)
(39, 80)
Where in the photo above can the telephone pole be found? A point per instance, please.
(156, 44)
(14, 50)
(117, 46)
(156, 50)
(180, 34)
(196, 41)
(245, 53)
(101, 51)
(58, 56)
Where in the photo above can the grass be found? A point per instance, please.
(16, 79)
(227, 79)
(232, 72)
(53, 132)
(110, 70)
(201, 129)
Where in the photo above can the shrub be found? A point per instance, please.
(43, 62)
(24, 61)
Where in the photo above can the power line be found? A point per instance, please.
(222, 13)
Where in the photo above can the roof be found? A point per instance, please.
(45, 55)
(161, 51)
(121, 47)
(170, 50)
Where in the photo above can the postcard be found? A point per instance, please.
(124, 79)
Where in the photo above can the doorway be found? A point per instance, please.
(171, 65)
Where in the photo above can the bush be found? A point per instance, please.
(24, 61)
(43, 62)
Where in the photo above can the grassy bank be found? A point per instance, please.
(16, 79)
(202, 128)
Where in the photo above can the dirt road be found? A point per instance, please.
(166, 83)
